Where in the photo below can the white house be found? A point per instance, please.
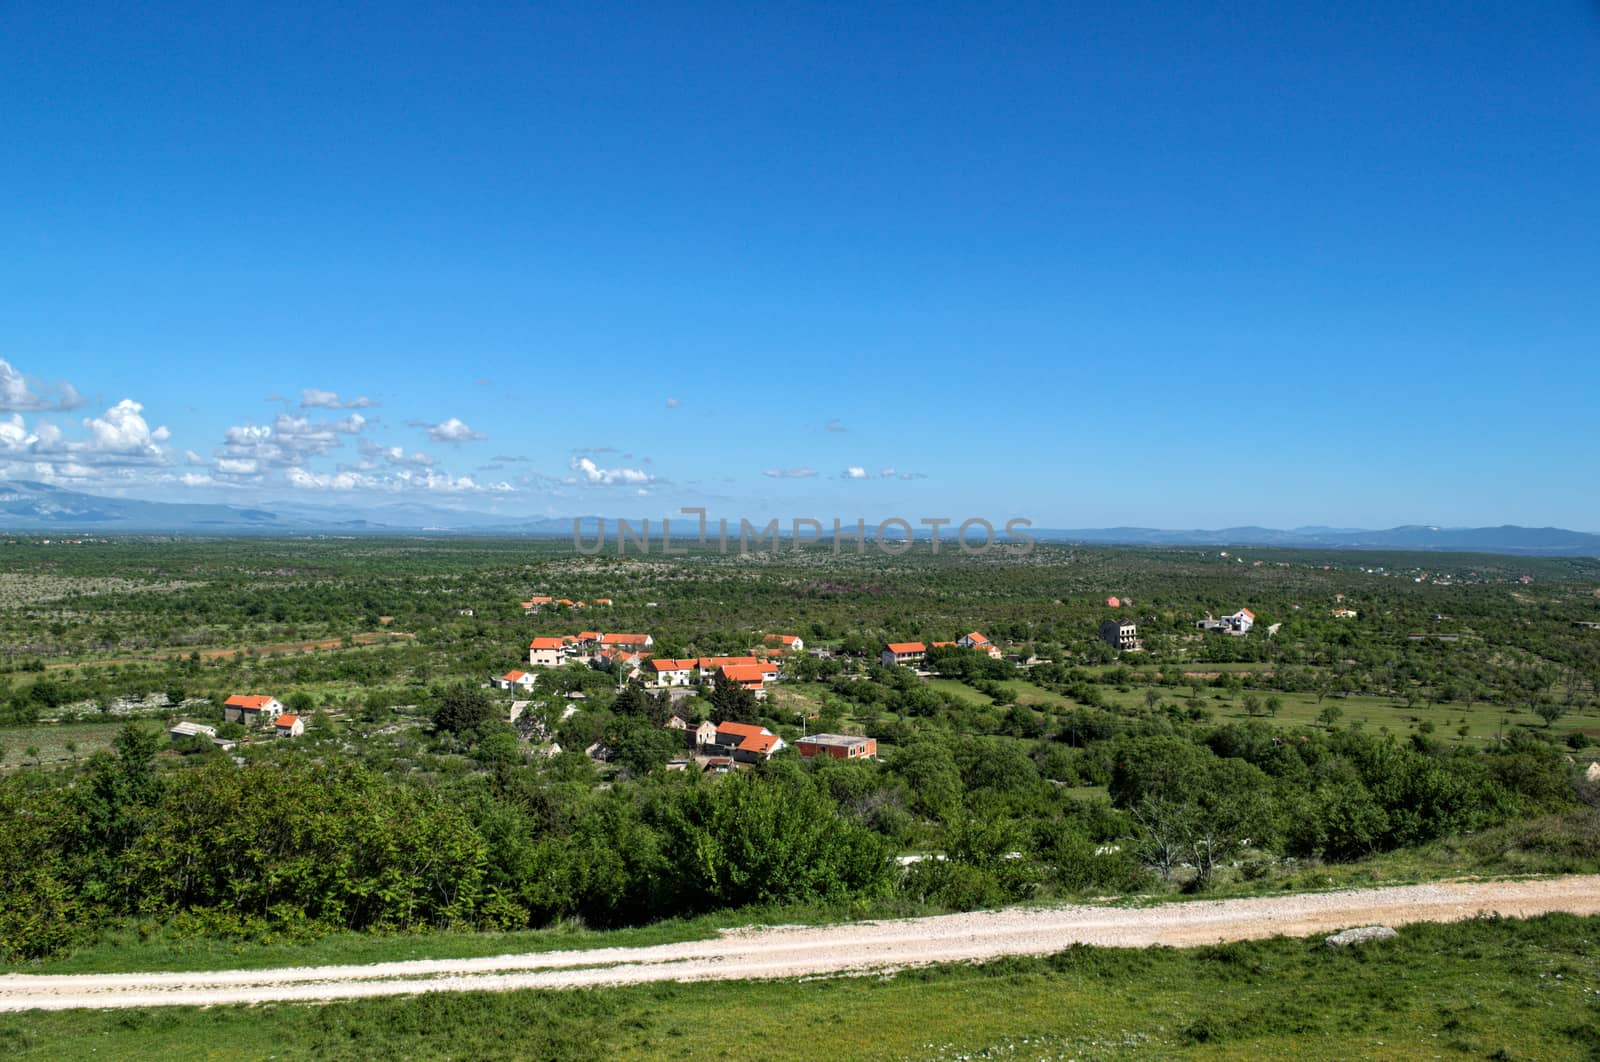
(250, 709)
(547, 652)
(791, 642)
(904, 653)
(1241, 621)
(633, 642)
(980, 643)
(666, 673)
(514, 680)
(288, 726)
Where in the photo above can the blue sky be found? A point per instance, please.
(1088, 264)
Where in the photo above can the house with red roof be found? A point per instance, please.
(250, 709)
(708, 666)
(753, 677)
(746, 742)
(288, 725)
(514, 680)
(625, 663)
(533, 604)
(668, 672)
(547, 652)
(635, 642)
(905, 654)
(980, 643)
(791, 642)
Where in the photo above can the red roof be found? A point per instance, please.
(624, 639)
(977, 639)
(1247, 612)
(514, 676)
(906, 647)
(783, 639)
(673, 665)
(746, 674)
(537, 601)
(588, 636)
(287, 721)
(711, 663)
(753, 738)
(546, 643)
(942, 645)
(255, 703)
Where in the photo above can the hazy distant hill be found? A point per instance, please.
(26, 506)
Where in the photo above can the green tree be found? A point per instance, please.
(1550, 712)
(732, 703)
(462, 708)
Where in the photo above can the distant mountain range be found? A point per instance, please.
(26, 506)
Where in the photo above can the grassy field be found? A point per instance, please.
(1482, 989)
(51, 740)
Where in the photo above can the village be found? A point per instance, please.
(687, 683)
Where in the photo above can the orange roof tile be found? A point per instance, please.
(546, 643)
(711, 663)
(906, 647)
(240, 700)
(745, 673)
(286, 721)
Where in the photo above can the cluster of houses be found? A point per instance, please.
(249, 710)
(718, 747)
(539, 601)
(911, 654)
(628, 655)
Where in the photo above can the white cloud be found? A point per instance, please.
(15, 438)
(291, 440)
(674, 403)
(594, 474)
(123, 430)
(24, 394)
(116, 443)
(836, 425)
(238, 466)
(887, 473)
(854, 472)
(305, 480)
(312, 398)
(396, 455)
(790, 473)
(405, 479)
(453, 430)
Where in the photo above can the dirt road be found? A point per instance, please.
(827, 950)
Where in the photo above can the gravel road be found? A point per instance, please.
(803, 951)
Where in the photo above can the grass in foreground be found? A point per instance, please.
(1488, 988)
